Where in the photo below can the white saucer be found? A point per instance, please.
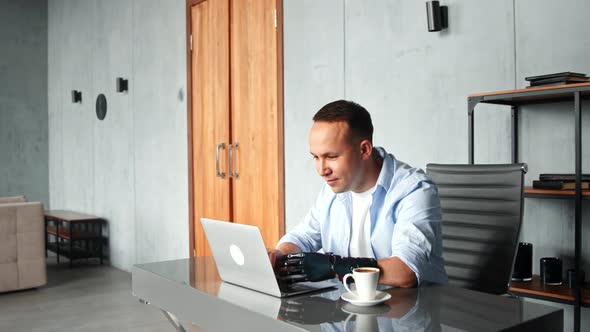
(352, 297)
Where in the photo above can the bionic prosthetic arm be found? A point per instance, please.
(313, 266)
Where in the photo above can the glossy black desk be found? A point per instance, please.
(191, 290)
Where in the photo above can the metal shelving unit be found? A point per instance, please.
(533, 96)
(75, 235)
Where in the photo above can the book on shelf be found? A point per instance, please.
(547, 76)
(559, 185)
(562, 177)
(552, 84)
(560, 80)
(556, 79)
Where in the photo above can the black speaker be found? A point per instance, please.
(523, 265)
(551, 271)
(436, 15)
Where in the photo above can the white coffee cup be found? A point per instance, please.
(365, 279)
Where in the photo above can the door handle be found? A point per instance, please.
(217, 148)
(231, 171)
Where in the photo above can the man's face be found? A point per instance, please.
(337, 158)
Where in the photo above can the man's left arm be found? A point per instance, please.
(395, 272)
(416, 235)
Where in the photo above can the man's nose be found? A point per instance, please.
(323, 170)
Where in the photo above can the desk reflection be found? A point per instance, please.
(326, 310)
(403, 312)
(192, 290)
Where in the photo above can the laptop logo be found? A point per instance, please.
(236, 254)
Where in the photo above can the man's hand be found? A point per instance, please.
(394, 271)
(313, 266)
(344, 265)
(274, 255)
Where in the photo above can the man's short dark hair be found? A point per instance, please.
(356, 116)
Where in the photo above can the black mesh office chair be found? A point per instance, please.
(482, 214)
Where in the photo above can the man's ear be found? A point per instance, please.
(366, 149)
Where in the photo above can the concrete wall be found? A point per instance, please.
(415, 83)
(23, 99)
(551, 37)
(547, 131)
(130, 168)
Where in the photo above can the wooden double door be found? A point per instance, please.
(235, 116)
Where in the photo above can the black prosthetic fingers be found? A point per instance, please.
(313, 266)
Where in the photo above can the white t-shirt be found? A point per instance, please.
(360, 244)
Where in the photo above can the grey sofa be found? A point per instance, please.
(22, 244)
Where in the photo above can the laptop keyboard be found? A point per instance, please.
(295, 288)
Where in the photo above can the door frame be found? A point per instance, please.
(189, 115)
(280, 118)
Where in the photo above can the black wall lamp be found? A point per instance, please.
(437, 15)
(122, 84)
(76, 96)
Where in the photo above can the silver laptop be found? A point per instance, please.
(241, 259)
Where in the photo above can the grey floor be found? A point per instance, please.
(87, 297)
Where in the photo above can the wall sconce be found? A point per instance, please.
(76, 96)
(122, 84)
(437, 16)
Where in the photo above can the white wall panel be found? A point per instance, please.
(114, 192)
(130, 168)
(160, 134)
(552, 37)
(77, 126)
(415, 82)
(57, 97)
(313, 76)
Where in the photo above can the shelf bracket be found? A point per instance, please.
(471, 103)
(578, 205)
(514, 133)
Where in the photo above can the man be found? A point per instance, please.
(374, 210)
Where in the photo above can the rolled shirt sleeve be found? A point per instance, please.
(308, 234)
(417, 230)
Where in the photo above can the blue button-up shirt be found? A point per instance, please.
(405, 221)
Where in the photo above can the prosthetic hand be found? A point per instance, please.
(313, 266)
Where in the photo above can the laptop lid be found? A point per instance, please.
(242, 259)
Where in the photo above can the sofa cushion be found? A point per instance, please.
(8, 277)
(7, 221)
(22, 244)
(13, 199)
(30, 245)
(28, 218)
(8, 247)
(31, 272)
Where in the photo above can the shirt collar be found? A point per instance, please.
(387, 168)
(385, 175)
